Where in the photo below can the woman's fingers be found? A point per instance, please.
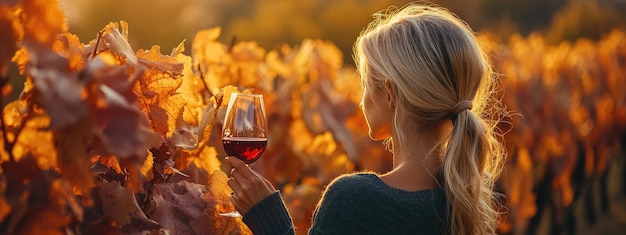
(248, 186)
(234, 185)
(238, 196)
(240, 166)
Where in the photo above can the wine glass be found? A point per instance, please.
(244, 134)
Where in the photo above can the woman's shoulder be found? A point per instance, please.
(371, 182)
(354, 180)
(347, 193)
(350, 183)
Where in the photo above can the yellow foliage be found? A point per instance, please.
(570, 94)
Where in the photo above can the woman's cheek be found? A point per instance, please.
(380, 132)
(379, 127)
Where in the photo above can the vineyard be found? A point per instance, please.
(106, 139)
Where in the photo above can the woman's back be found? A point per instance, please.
(363, 204)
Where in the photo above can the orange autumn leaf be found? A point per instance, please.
(12, 33)
(163, 72)
(109, 162)
(20, 58)
(248, 69)
(34, 138)
(70, 47)
(210, 57)
(43, 21)
(156, 90)
(208, 160)
(192, 90)
(125, 102)
(218, 201)
(71, 145)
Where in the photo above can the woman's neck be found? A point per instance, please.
(416, 161)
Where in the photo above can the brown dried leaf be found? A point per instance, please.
(102, 226)
(117, 121)
(45, 221)
(42, 203)
(116, 37)
(120, 203)
(191, 174)
(178, 49)
(179, 207)
(60, 91)
(119, 131)
(185, 137)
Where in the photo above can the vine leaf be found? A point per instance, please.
(119, 203)
(117, 121)
(43, 21)
(180, 207)
(116, 37)
(60, 91)
(156, 90)
(12, 33)
(218, 199)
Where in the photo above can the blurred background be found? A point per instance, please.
(273, 22)
(563, 66)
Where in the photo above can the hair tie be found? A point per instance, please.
(460, 107)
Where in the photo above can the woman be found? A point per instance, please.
(426, 85)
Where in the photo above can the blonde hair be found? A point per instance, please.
(440, 72)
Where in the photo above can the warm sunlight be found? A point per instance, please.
(112, 110)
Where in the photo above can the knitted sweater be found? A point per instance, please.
(358, 204)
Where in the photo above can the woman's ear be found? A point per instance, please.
(390, 90)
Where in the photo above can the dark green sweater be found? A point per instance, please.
(358, 204)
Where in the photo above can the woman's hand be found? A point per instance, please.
(249, 187)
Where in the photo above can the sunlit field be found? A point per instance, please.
(101, 137)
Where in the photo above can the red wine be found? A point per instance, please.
(247, 149)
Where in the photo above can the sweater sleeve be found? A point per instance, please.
(269, 216)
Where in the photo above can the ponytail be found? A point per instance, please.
(469, 172)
